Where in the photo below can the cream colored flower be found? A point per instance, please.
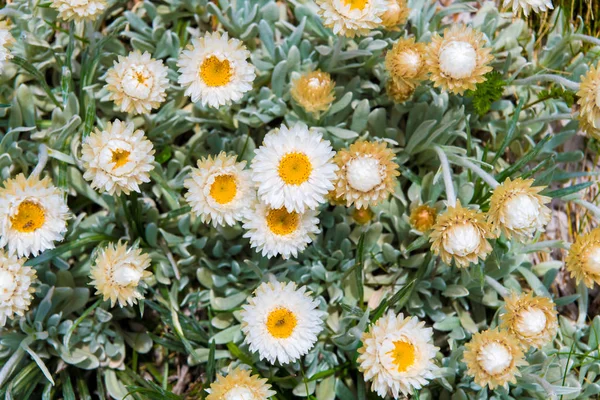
(274, 231)
(405, 62)
(214, 70)
(281, 322)
(15, 287)
(33, 215)
(79, 10)
(117, 273)
(396, 14)
(367, 173)
(458, 61)
(517, 208)
(137, 83)
(220, 190)
(352, 17)
(589, 102)
(423, 217)
(118, 158)
(399, 90)
(532, 320)
(493, 358)
(313, 91)
(461, 234)
(6, 41)
(583, 260)
(397, 355)
(239, 385)
(527, 5)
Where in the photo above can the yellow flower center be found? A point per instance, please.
(403, 355)
(281, 222)
(140, 77)
(29, 217)
(295, 168)
(356, 4)
(281, 323)
(215, 72)
(120, 157)
(223, 189)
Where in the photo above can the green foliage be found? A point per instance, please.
(487, 92)
(72, 344)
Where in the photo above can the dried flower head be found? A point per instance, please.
(458, 61)
(367, 173)
(493, 358)
(399, 90)
(117, 273)
(397, 355)
(137, 83)
(79, 10)
(589, 102)
(15, 286)
(281, 321)
(352, 17)
(527, 5)
(294, 168)
(214, 70)
(220, 190)
(33, 215)
(313, 91)
(396, 14)
(461, 234)
(583, 260)
(532, 320)
(275, 231)
(118, 158)
(6, 41)
(517, 208)
(239, 385)
(423, 217)
(406, 62)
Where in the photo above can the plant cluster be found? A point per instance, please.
(328, 199)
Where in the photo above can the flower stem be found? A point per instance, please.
(497, 286)
(450, 195)
(585, 38)
(489, 179)
(569, 84)
(42, 160)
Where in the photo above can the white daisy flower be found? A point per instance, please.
(118, 158)
(79, 10)
(6, 40)
(397, 355)
(352, 17)
(535, 5)
(220, 190)
(137, 83)
(276, 231)
(33, 215)
(15, 287)
(281, 322)
(117, 273)
(294, 168)
(214, 70)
